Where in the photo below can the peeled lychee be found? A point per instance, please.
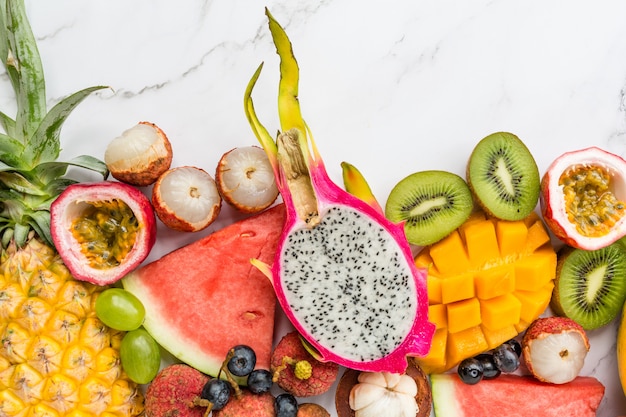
(186, 199)
(245, 179)
(554, 349)
(140, 155)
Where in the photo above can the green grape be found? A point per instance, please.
(120, 309)
(140, 355)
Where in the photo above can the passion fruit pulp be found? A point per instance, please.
(583, 195)
(102, 230)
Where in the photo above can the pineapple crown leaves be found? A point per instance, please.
(30, 175)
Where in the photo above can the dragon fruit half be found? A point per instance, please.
(343, 274)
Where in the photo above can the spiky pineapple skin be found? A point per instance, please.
(56, 357)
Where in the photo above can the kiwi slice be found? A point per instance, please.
(504, 177)
(431, 204)
(590, 286)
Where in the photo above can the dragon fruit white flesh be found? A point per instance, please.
(343, 274)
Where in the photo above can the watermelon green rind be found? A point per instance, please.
(511, 395)
(206, 297)
(443, 394)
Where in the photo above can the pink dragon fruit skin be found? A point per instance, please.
(406, 322)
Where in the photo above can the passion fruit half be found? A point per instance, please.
(102, 230)
(583, 195)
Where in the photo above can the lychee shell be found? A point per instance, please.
(323, 375)
(249, 405)
(173, 390)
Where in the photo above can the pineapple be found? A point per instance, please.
(56, 357)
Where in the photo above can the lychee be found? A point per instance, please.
(554, 349)
(173, 390)
(297, 371)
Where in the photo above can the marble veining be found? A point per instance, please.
(392, 86)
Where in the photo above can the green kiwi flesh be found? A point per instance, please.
(590, 286)
(431, 204)
(504, 177)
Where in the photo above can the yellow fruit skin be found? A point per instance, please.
(621, 350)
(487, 281)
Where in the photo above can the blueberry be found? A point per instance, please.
(286, 405)
(243, 360)
(490, 370)
(505, 358)
(517, 347)
(217, 392)
(260, 381)
(470, 371)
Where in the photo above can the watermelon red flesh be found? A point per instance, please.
(206, 297)
(515, 396)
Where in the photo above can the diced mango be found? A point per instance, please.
(522, 326)
(457, 288)
(435, 361)
(536, 270)
(500, 312)
(495, 338)
(531, 219)
(423, 259)
(511, 237)
(433, 287)
(495, 282)
(537, 236)
(534, 303)
(464, 344)
(512, 268)
(438, 315)
(449, 255)
(476, 217)
(463, 314)
(482, 244)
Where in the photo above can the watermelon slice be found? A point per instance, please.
(206, 297)
(515, 396)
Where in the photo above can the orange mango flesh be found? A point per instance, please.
(589, 201)
(487, 281)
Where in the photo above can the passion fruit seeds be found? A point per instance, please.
(582, 198)
(102, 230)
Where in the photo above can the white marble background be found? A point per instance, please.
(392, 86)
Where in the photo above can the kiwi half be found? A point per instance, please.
(431, 204)
(503, 176)
(590, 286)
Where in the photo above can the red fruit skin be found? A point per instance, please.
(61, 216)
(249, 405)
(323, 374)
(548, 212)
(173, 390)
(545, 326)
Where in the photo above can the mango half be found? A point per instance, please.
(487, 281)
